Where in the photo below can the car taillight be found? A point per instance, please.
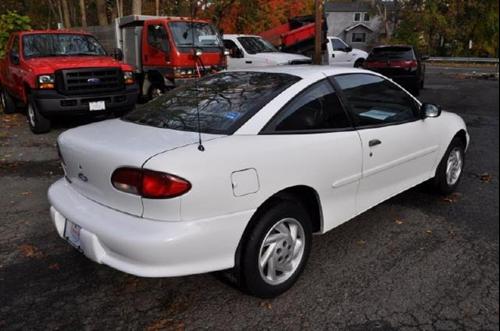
(149, 184)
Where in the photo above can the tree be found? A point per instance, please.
(83, 13)
(136, 7)
(102, 16)
(66, 14)
(11, 22)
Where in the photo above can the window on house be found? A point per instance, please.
(357, 17)
(359, 37)
(366, 17)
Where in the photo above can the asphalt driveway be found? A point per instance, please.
(416, 262)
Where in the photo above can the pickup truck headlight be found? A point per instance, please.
(128, 77)
(46, 82)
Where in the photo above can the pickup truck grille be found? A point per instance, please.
(87, 81)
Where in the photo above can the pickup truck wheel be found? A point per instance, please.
(359, 63)
(7, 102)
(451, 168)
(38, 123)
(276, 250)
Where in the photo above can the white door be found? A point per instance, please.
(236, 58)
(339, 56)
(319, 137)
(399, 148)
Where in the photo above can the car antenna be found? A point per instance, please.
(201, 148)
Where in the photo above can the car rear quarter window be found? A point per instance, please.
(318, 108)
(392, 53)
(219, 103)
(376, 101)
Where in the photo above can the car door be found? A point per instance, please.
(156, 51)
(399, 147)
(236, 57)
(14, 71)
(318, 133)
(339, 55)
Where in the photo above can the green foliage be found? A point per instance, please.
(445, 27)
(9, 23)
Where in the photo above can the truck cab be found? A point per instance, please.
(341, 54)
(168, 51)
(247, 51)
(57, 72)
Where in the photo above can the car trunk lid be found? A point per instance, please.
(92, 153)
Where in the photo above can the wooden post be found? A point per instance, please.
(319, 34)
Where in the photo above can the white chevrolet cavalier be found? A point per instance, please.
(238, 171)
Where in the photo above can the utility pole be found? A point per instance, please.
(319, 33)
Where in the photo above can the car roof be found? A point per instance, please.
(240, 35)
(312, 72)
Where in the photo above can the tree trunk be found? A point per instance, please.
(157, 7)
(83, 13)
(119, 8)
(136, 7)
(66, 14)
(102, 16)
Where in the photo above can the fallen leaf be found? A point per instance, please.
(266, 304)
(26, 194)
(399, 222)
(30, 251)
(361, 242)
(166, 324)
(54, 266)
(486, 178)
(428, 231)
(453, 198)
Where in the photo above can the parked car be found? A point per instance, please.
(247, 51)
(161, 49)
(54, 73)
(340, 54)
(403, 64)
(239, 170)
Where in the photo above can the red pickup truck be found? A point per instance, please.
(54, 73)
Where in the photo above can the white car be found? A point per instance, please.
(238, 171)
(340, 54)
(247, 51)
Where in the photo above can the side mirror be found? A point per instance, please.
(237, 53)
(118, 54)
(430, 110)
(348, 49)
(14, 57)
(425, 57)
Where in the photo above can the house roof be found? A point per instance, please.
(358, 25)
(353, 6)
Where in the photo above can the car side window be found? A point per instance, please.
(338, 45)
(15, 45)
(317, 108)
(157, 37)
(376, 101)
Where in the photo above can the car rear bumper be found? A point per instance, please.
(145, 247)
(51, 102)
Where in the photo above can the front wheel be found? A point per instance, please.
(276, 250)
(38, 123)
(359, 63)
(451, 168)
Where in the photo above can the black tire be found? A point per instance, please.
(155, 91)
(248, 274)
(440, 181)
(38, 123)
(7, 102)
(359, 63)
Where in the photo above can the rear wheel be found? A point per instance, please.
(275, 251)
(38, 123)
(450, 169)
(7, 102)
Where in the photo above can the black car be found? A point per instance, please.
(401, 63)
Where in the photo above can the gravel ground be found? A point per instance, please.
(416, 262)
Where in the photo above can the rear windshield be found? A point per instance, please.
(392, 53)
(220, 103)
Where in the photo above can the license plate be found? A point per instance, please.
(97, 105)
(72, 234)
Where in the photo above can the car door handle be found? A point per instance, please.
(249, 62)
(374, 142)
